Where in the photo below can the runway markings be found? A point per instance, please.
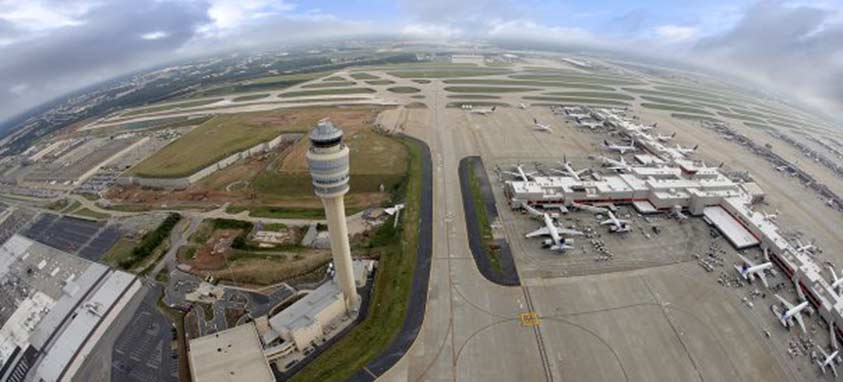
(530, 319)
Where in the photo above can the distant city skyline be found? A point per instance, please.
(59, 46)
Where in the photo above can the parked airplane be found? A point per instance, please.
(541, 126)
(770, 217)
(786, 317)
(827, 360)
(616, 165)
(589, 123)
(556, 242)
(750, 270)
(803, 248)
(536, 214)
(618, 225)
(685, 150)
(665, 138)
(520, 173)
(589, 208)
(836, 282)
(568, 170)
(483, 111)
(620, 148)
(523, 106)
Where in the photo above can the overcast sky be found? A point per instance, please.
(50, 47)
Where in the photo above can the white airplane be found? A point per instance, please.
(750, 270)
(619, 148)
(802, 248)
(665, 138)
(619, 225)
(836, 282)
(616, 165)
(536, 214)
(770, 217)
(520, 173)
(589, 123)
(786, 317)
(678, 214)
(568, 170)
(556, 242)
(685, 150)
(523, 106)
(589, 208)
(541, 126)
(483, 111)
(827, 360)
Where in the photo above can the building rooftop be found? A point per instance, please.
(303, 312)
(230, 355)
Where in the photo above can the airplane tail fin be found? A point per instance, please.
(695, 147)
(673, 135)
(493, 108)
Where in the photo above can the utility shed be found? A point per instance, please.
(734, 231)
(230, 355)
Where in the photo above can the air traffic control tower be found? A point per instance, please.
(327, 160)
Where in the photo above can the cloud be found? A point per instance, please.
(38, 15)
(795, 49)
(676, 33)
(226, 15)
(430, 31)
(157, 35)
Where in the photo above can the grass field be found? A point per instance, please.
(251, 97)
(576, 78)
(602, 95)
(741, 117)
(288, 78)
(388, 307)
(421, 81)
(576, 100)
(368, 169)
(476, 103)
(171, 106)
(691, 117)
(320, 92)
(380, 82)
(666, 101)
(219, 137)
(88, 213)
(403, 89)
(332, 84)
(363, 76)
(473, 96)
(333, 79)
(447, 72)
(681, 109)
(488, 89)
(121, 251)
(483, 220)
(492, 81)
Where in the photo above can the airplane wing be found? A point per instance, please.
(532, 211)
(746, 261)
(798, 317)
(605, 222)
(569, 232)
(543, 231)
(763, 278)
(512, 173)
(786, 303)
(622, 222)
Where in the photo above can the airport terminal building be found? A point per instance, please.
(55, 307)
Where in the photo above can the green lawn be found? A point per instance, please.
(403, 89)
(218, 138)
(332, 84)
(483, 219)
(250, 97)
(576, 78)
(602, 95)
(488, 89)
(380, 82)
(476, 103)
(742, 117)
(472, 96)
(493, 81)
(681, 109)
(387, 310)
(447, 72)
(576, 100)
(88, 213)
(310, 93)
(363, 76)
(171, 106)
